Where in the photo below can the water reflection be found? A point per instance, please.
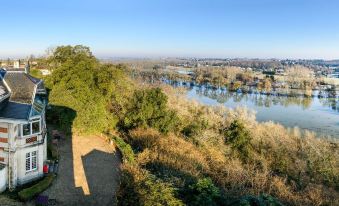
(313, 113)
(222, 95)
(260, 100)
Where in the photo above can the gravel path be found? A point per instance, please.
(88, 172)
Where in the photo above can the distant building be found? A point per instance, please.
(23, 143)
(16, 64)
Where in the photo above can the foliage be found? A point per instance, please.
(204, 193)
(31, 192)
(239, 139)
(236, 85)
(195, 128)
(262, 200)
(149, 109)
(36, 73)
(62, 54)
(295, 167)
(94, 91)
(125, 149)
(140, 188)
(299, 77)
(61, 116)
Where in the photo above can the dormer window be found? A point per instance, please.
(26, 129)
(36, 127)
(33, 127)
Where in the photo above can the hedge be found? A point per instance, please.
(31, 192)
(125, 149)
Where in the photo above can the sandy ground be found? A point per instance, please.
(88, 172)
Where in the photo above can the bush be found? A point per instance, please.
(36, 73)
(138, 187)
(31, 192)
(239, 139)
(204, 193)
(149, 109)
(125, 149)
(262, 200)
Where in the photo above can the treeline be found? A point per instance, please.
(177, 152)
(296, 80)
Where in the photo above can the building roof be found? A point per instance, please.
(22, 69)
(14, 110)
(17, 94)
(22, 87)
(3, 90)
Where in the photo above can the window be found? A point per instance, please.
(26, 129)
(31, 161)
(28, 161)
(35, 127)
(31, 128)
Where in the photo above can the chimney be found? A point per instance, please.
(27, 67)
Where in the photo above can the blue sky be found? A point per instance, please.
(159, 28)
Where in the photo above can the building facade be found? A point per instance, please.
(23, 139)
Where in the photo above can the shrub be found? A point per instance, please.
(31, 192)
(239, 139)
(204, 193)
(149, 109)
(141, 139)
(125, 149)
(262, 200)
(194, 128)
(138, 187)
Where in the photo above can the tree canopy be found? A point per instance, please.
(149, 109)
(93, 90)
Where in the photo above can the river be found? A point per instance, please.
(320, 115)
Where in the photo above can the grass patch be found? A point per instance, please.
(36, 73)
(31, 192)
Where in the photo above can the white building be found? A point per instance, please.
(16, 64)
(23, 146)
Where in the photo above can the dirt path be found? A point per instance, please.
(88, 172)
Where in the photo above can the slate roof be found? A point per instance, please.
(22, 87)
(15, 69)
(14, 110)
(3, 90)
(16, 94)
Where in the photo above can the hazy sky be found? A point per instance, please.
(158, 28)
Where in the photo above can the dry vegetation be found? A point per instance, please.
(293, 166)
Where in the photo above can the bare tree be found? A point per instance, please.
(300, 77)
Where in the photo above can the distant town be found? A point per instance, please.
(321, 68)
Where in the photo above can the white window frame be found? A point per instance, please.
(31, 127)
(29, 157)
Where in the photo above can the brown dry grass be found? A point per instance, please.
(293, 165)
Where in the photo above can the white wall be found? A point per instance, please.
(23, 176)
(3, 179)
